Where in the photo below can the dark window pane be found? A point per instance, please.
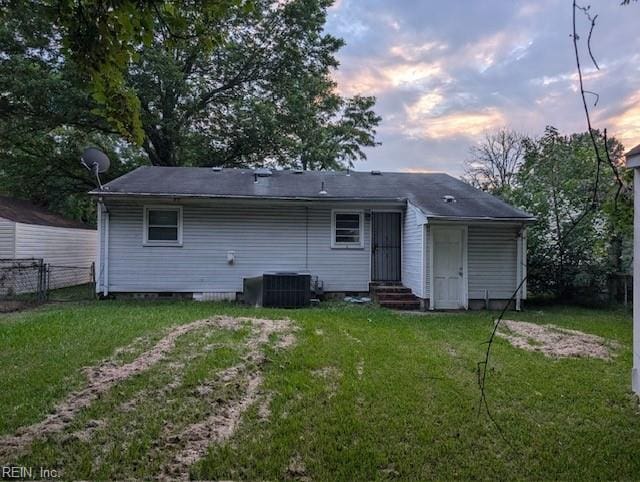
(347, 232)
(347, 239)
(163, 218)
(348, 217)
(347, 224)
(163, 234)
(347, 229)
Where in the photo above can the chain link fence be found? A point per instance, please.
(26, 282)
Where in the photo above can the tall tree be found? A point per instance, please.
(574, 244)
(103, 37)
(244, 88)
(265, 94)
(494, 163)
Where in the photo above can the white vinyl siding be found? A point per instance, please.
(59, 247)
(7, 238)
(492, 257)
(263, 238)
(412, 245)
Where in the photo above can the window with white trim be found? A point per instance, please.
(347, 229)
(163, 225)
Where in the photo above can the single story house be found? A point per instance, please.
(202, 231)
(29, 232)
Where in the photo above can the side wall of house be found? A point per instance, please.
(7, 238)
(70, 252)
(412, 255)
(492, 261)
(262, 238)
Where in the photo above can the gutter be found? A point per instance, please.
(482, 218)
(258, 198)
(311, 199)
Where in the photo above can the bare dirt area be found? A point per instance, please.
(331, 375)
(191, 443)
(554, 341)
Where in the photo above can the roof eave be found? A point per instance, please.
(226, 196)
(515, 219)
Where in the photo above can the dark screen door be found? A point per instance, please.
(385, 246)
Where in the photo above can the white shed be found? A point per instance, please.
(31, 232)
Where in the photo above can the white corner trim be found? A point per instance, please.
(145, 225)
(99, 245)
(359, 245)
(432, 305)
(105, 286)
(524, 263)
(465, 267)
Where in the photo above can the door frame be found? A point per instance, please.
(370, 213)
(464, 302)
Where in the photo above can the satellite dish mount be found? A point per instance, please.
(95, 161)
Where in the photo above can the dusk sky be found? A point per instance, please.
(446, 72)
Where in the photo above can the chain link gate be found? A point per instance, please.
(25, 282)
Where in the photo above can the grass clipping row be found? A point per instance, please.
(554, 341)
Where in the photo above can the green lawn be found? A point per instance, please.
(364, 393)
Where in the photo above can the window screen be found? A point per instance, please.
(347, 228)
(162, 225)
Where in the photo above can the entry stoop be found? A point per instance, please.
(394, 296)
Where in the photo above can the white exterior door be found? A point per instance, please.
(448, 268)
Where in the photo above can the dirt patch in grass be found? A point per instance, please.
(106, 375)
(554, 341)
(331, 375)
(360, 369)
(296, 469)
(350, 336)
(192, 443)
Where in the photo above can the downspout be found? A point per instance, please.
(519, 268)
(98, 270)
(524, 262)
(306, 238)
(105, 287)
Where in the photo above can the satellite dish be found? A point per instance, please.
(96, 161)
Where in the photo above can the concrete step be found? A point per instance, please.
(395, 295)
(401, 304)
(391, 289)
(384, 283)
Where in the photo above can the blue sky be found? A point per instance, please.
(447, 72)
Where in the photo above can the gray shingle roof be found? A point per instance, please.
(633, 152)
(20, 211)
(425, 190)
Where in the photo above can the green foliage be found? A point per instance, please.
(576, 243)
(229, 82)
(46, 120)
(265, 94)
(103, 38)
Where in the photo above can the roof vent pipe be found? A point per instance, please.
(322, 191)
(449, 198)
(348, 171)
(255, 178)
